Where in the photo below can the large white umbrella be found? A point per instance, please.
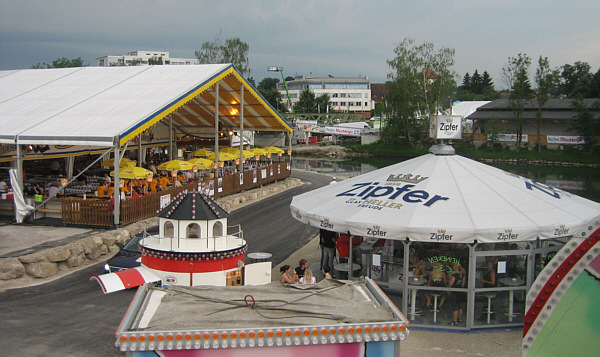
(446, 198)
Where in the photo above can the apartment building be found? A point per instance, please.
(143, 58)
(347, 94)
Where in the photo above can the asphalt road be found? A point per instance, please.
(71, 316)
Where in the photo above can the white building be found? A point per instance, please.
(143, 57)
(347, 94)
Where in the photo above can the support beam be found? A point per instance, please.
(241, 133)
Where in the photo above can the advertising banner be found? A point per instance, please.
(445, 126)
(338, 130)
(564, 139)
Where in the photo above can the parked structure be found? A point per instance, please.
(347, 94)
(143, 57)
(555, 125)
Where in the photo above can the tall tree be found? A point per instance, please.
(268, 89)
(155, 60)
(420, 82)
(587, 123)
(516, 76)
(466, 84)
(576, 80)
(546, 78)
(477, 83)
(61, 62)
(306, 103)
(233, 51)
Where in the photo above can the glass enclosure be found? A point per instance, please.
(457, 286)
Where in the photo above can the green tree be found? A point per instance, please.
(576, 80)
(323, 104)
(420, 82)
(516, 76)
(546, 78)
(233, 51)
(307, 103)
(61, 62)
(268, 89)
(155, 60)
(587, 123)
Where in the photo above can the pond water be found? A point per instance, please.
(584, 182)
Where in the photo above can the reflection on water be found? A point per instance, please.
(584, 182)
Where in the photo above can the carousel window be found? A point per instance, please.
(169, 229)
(193, 230)
(218, 229)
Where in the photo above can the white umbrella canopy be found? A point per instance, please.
(446, 198)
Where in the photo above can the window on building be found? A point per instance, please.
(218, 229)
(168, 229)
(343, 95)
(193, 230)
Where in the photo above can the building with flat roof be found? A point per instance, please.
(143, 58)
(347, 94)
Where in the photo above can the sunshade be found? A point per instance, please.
(124, 163)
(201, 163)
(201, 153)
(274, 150)
(175, 165)
(448, 199)
(134, 172)
(259, 152)
(223, 156)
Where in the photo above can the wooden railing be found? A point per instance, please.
(94, 212)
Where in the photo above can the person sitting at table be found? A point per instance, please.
(326, 272)
(111, 189)
(489, 277)
(102, 190)
(300, 269)
(437, 277)
(421, 270)
(456, 299)
(285, 275)
(308, 278)
(137, 192)
(164, 181)
(413, 260)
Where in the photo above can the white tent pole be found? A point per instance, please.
(139, 163)
(351, 271)
(241, 133)
(117, 191)
(19, 167)
(216, 135)
(170, 137)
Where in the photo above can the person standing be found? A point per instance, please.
(3, 186)
(327, 243)
(456, 299)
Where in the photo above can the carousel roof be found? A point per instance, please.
(446, 198)
(194, 206)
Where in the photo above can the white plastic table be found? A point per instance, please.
(511, 294)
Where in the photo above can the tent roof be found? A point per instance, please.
(448, 199)
(97, 105)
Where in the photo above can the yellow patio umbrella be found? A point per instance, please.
(201, 153)
(274, 150)
(259, 152)
(223, 156)
(236, 152)
(202, 163)
(176, 165)
(229, 149)
(132, 172)
(124, 163)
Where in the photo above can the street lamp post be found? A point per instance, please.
(280, 70)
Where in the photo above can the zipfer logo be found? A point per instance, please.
(440, 235)
(325, 224)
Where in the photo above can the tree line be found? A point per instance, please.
(422, 82)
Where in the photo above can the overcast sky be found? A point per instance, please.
(340, 38)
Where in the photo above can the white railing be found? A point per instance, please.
(196, 245)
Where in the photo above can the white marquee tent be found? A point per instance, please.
(446, 198)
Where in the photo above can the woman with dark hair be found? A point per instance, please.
(285, 275)
(457, 300)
